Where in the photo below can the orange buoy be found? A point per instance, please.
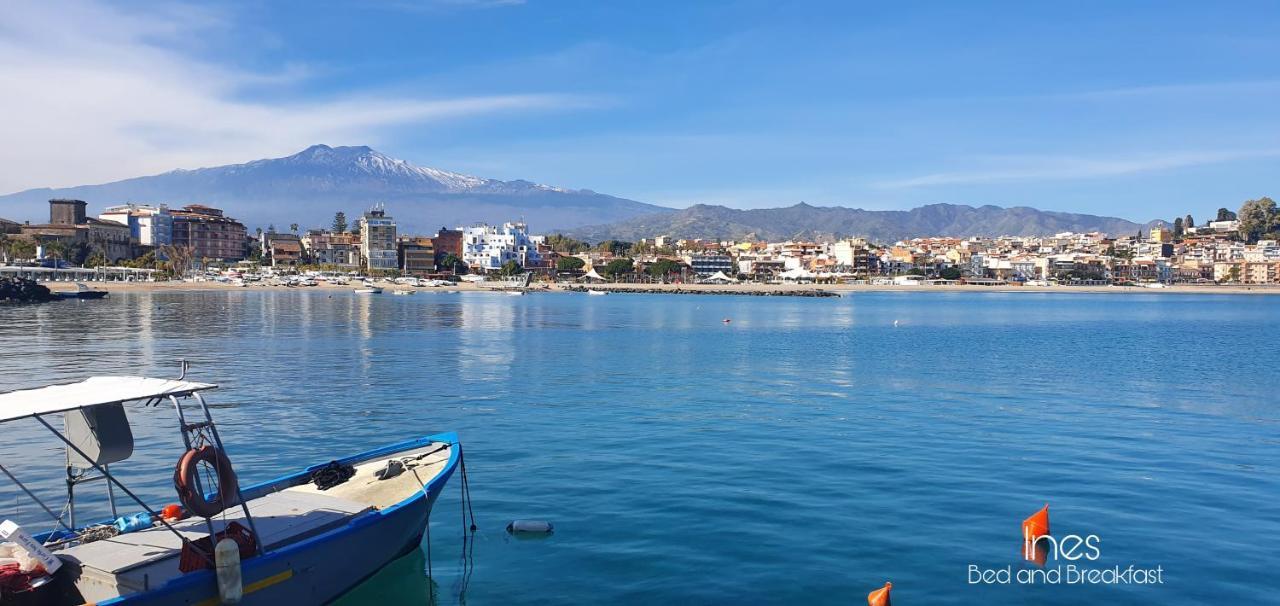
(1034, 527)
(880, 597)
(1037, 525)
(171, 512)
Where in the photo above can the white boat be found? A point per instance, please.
(404, 292)
(597, 293)
(298, 543)
(82, 291)
(515, 293)
(369, 290)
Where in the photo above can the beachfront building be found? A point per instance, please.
(487, 247)
(1247, 272)
(284, 250)
(707, 264)
(69, 226)
(329, 248)
(378, 240)
(447, 242)
(148, 225)
(854, 255)
(208, 233)
(416, 255)
(10, 227)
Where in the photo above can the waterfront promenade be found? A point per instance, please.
(739, 288)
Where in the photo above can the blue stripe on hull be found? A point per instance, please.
(321, 568)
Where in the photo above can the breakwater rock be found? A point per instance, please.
(22, 290)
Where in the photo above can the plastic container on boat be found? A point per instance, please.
(135, 522)
(11, 531)
(226, 558)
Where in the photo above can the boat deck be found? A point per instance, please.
(138, 561)
(365, 487)
(146, 559)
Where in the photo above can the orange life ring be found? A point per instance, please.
(185, 481)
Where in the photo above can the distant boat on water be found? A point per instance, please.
(369, 290)
(596, 293)
(404, 292)
(82, 291)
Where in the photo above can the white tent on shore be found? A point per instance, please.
(798, 273)
(592, 275)
(718, 278)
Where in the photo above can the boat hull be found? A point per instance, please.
(321, 568)
(89, 294)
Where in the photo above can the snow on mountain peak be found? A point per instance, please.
(370, 162)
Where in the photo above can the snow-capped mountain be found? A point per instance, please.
(344, 164)
(310, 186)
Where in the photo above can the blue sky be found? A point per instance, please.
(1136, 109)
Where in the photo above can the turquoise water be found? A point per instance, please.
(804, 453)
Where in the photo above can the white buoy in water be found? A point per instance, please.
(895, 323)
(530, 527)
(226, 560)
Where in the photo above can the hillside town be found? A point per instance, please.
(138, 241)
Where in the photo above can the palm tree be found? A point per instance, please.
(179, 258)
(56, 249)
(450, 262)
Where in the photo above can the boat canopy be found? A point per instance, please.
(94, 391)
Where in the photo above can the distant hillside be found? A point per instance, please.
(803, 221)
(308, 187)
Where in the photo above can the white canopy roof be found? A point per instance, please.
(796, 274)
(719, 277)
(592, 275)
(93, 391)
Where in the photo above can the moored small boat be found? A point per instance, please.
(82, 291)
(597, 293)
(404, 292)
(369, 290)
(305, 537)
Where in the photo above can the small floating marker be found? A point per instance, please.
(895, 323)
(530, 527)
(727, 320)
(880, 597)
(1033, 528)
(1037, 525)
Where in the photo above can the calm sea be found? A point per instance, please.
(806, 452)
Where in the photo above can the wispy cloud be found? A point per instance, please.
(95, 93)
(438, 5)
(1178, 89)
(1000, 169)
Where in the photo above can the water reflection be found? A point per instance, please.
(680, 455)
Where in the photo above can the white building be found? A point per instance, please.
(488, 247)
(378, 240)
(149, 225)
(1224, 225)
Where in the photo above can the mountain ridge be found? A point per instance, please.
(310, 186)
(804, 221)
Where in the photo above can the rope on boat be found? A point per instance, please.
(466, 492)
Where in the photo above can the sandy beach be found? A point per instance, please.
(745, 288)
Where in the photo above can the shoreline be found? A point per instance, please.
(753, 289)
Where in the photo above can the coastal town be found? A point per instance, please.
(139, 242)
